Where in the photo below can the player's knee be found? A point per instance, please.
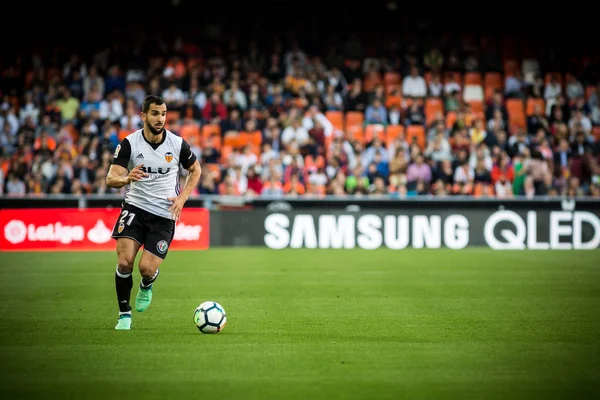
(147, 270)
(126, 264)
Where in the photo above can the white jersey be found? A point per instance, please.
(161, 161)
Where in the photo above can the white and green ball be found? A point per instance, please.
(210, 317)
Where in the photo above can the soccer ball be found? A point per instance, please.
(210, 317)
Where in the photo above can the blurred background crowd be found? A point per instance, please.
(393, 113)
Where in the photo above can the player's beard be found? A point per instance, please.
(155, 131)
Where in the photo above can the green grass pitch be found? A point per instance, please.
(307, 324)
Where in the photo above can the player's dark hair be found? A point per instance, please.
(149, 100)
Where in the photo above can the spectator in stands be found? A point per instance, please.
(355, 182)
(581, 146)
(395, 115)
(573, 88)
(477, 132)
(131, 120)
(451, 85)
(68, 105)
(452, 101)
(414, 85)
(562, 157)
(435, 86)
(376, 113)
(314, 115)
(574, 188)
(357, 99)
(438, 149)
(14, 186)
(496, 103)
(294, 186)
(295, 133)
(273, 186)
(544, 147)
(93, 79)
(463, 177)
(536, 89)
(114, 80)
(30, 108)
(174, 97)
(514, 86)
(419, 170)
(84, 173)
(496, 123)
(415, 115)
(553, 89)
(537, 120)
(471, 63)
(333, 100)
(214, 111)
(538, 169)
(239, 97)
(593, 100)
(580, 122)
(433, 60)
(481, 174)
(452, 61)
(254, 185)
(336, 79)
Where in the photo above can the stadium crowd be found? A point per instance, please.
(409, 120)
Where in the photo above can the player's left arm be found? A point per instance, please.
(188, 160)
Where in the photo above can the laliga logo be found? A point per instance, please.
(99, 233)
(562, 223)
(15, 231)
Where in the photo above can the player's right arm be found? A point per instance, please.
(118, 175)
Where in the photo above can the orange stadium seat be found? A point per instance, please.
(392, 78)
(189, 130)
(252, 138)
(123, 133)
(493, 80)
(433, 105)
(450, 119)
(392, 132)
(532, 102)
(416, 133)
(356, 132)
(511, 67)
(393, 100)
(374, 130)
(353, 119)
(209, 130)
(336, 118)
(472, 78)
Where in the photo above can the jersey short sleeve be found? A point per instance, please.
(186, 157)
(122, 153)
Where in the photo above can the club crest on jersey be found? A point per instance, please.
(117, 150)
(169, 157)
(162, 246)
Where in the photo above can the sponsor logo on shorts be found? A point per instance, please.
(162, 246)
(169, 157)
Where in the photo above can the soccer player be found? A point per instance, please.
(148, 163)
